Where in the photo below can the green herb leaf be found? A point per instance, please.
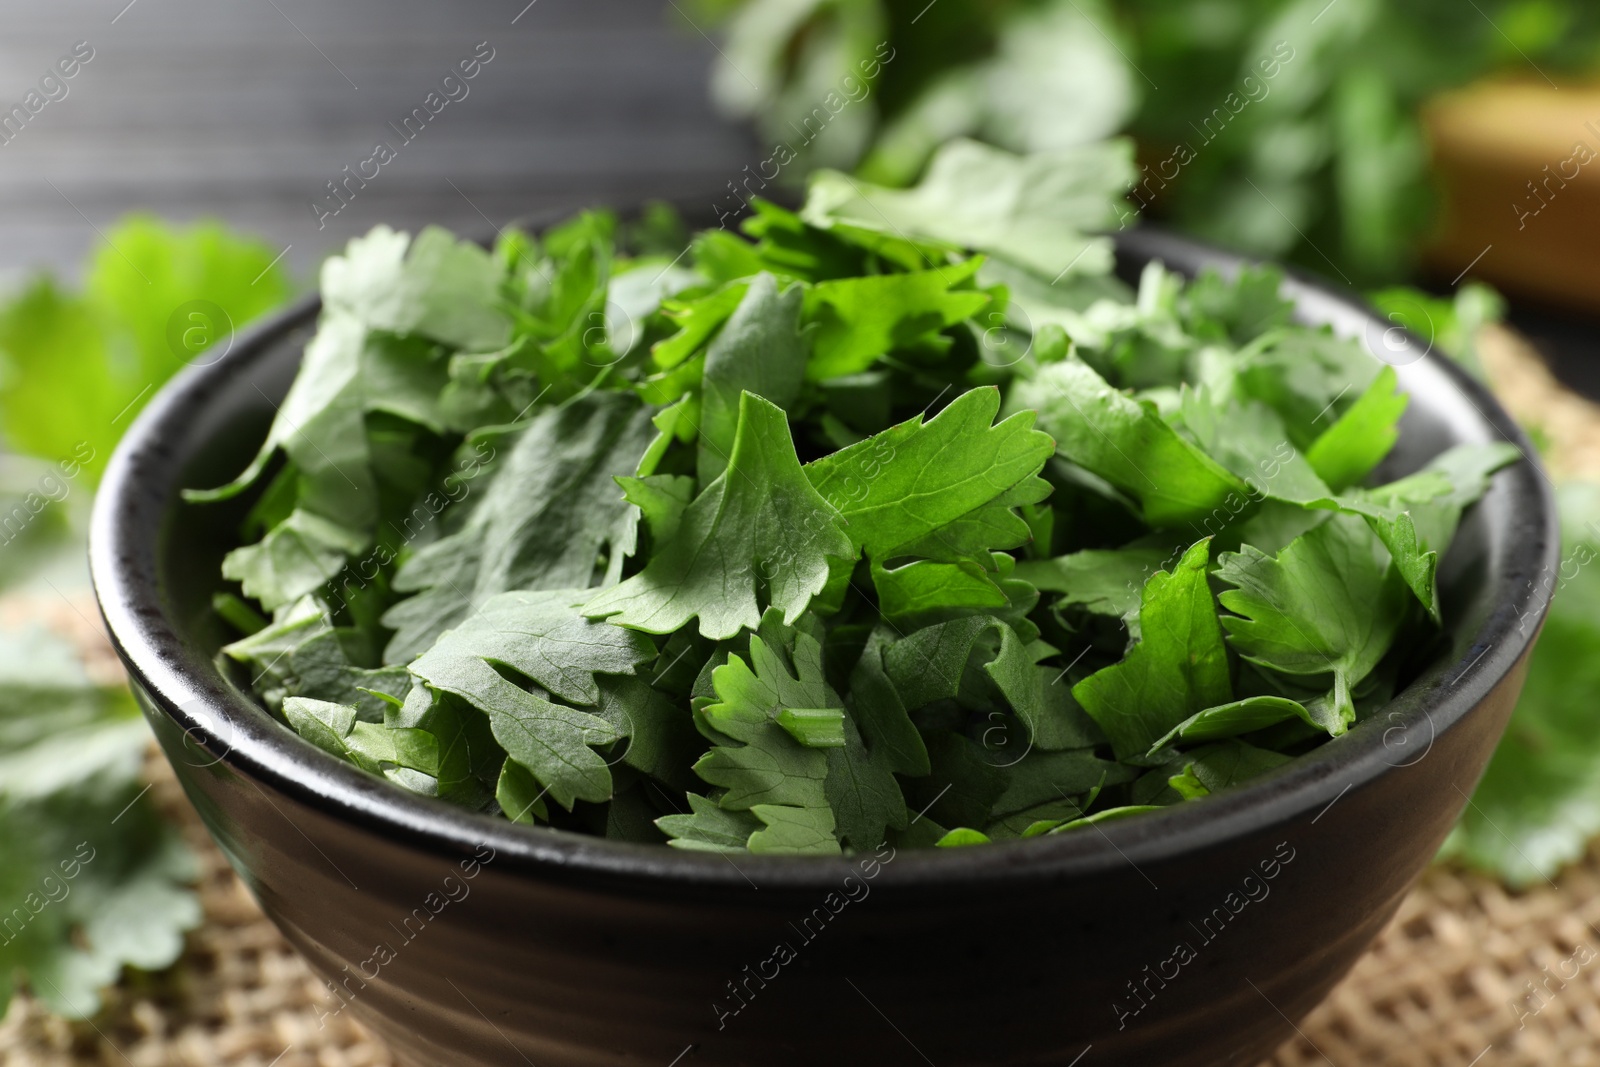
(1129, 444)
(1347, 451)
(1034, 210)
(542, 636)
(759, 517)
(880, 742)
(860, 319)
(361, 361)
(296, 557)
(924, 482)
(550, 512)
(1306, 376)
(436, 286)
(95, 879)
(1178, 667)
(761, 350)
(1329, 603)
(1416, 516)
(1239, 717)
(338, 730)
(761, 767)
(698, 319)
(1100, 581)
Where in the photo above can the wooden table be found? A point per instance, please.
(244, 109)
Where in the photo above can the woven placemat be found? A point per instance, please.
(1447, 984)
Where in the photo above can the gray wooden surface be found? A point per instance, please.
(243, 109)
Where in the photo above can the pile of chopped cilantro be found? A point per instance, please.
(897, 518)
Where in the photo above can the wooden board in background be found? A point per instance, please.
(243, 109)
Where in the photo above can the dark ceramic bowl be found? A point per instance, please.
(1195, 935)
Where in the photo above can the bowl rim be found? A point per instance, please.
(180, 678)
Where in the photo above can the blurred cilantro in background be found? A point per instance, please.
(91, 877)
(1451, 325)
(75, 366)
(1538, 805)
(1288, 129)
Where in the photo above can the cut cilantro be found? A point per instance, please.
(544, 638)
(818, 537)
(1538, 804)
(1178, 668)
(1034, 211)
(859, 320)
(78, 365)
(760, 350)
(1129, 444)
(1345, 453)
(759, 526)
(545, 520)
(1329, 604)
(944, 489)
(94, 879)
(766, 770)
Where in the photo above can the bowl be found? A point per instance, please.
(1198, 934)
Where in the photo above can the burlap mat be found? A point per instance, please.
(1437, 990)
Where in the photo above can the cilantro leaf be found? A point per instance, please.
(1329, 603)
(551, 509)
(1346, 452)
(1100, 581)
(1179, 666)
(471, 761)
(1034, 210)
(1043, 783)
(1238, 717)
(758, 765)
(860, 319)
(709, 827)
(698, 319)
(1416, 516)
(297, 556)
(1128, 443)
(761, 350)
(541, 636)
(880, 742)
(976, 659)
(759, 517)
(436, 286)
(321, 665)
(1104, 815)
(926, 588)
(916, 481)
(95, 879)
(1229, 763)
(374, 351)
(1305, 376)
(662, 741)
(1250, 440)
(338, 730)
(1237, 309)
